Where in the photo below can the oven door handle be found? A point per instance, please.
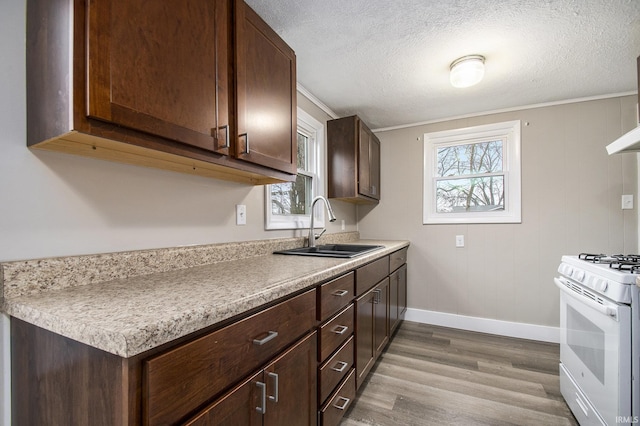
(605, 310)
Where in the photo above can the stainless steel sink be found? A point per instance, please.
(332, 250)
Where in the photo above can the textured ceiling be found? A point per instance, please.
(388, 60)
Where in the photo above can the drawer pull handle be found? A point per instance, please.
(345, 403)
(272, 335)
(274, 398)
(340, 329)
(342, 365)
(263, 399)
(340, 293)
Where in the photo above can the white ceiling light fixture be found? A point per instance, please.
(467, 71)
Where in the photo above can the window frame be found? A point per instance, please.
(315, 131)
(510, 133)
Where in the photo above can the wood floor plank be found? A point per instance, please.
(431, 375)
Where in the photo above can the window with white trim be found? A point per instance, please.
(472, 175)
(288, 204)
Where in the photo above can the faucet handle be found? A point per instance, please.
(316, 236)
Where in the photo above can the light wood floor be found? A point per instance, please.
(432, 375)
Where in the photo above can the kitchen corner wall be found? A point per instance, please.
(571, 203)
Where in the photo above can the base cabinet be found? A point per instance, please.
(397, 297)
(283, 393)
(381, 303)
(296, 362)
(336, 312)
(372, 332)
(178, 382)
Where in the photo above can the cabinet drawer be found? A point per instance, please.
(335, 369)
(335, 332)
(335, 295)
(369, 275)
(179, 381)
(334, 410)
(397, 259)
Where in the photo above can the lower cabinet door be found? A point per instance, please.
(402, 291)
(365, 351)
(381, 315)
(291, 385)
(394, 306)
(237, 407)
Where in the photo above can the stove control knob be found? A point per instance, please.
(578, 275)
(565, 269)
(601, 285)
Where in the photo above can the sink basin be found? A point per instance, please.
(332, 250)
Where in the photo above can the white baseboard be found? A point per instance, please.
(484, 325)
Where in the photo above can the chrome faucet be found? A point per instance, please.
(312, 235)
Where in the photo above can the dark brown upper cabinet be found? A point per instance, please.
(154, 84)
(353, 161)
(266, 94)
(167, 74)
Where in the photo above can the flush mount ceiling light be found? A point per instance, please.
(467, 71)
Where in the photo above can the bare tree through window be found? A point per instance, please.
(470, 177)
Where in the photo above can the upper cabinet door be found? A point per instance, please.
(162, 67)
(368, 163)
(374, 167)
(266, 94)
(353, 161)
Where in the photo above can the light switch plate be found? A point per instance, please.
(459, 240)
(241, 214)
(627, 202)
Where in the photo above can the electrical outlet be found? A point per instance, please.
(459, 240)
(241, 214)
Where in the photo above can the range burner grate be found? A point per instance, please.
(592, 257)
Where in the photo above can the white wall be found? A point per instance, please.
(571, 203)
(55, 204)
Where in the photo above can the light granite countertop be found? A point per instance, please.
(130, 315)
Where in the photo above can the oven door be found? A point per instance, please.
(595, 351)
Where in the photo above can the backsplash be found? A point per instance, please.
(19, 278)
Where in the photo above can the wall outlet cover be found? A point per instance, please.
(241, 214)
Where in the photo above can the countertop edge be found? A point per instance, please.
(132, 340)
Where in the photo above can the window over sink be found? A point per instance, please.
(472, 175)
(288, 204)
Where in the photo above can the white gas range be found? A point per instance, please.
(600, 337)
